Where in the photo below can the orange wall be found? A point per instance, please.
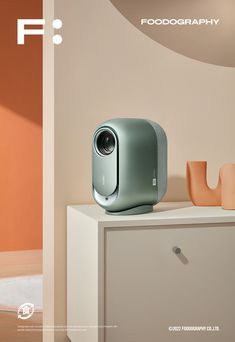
(20, 130)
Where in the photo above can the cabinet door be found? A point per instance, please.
(149, 288)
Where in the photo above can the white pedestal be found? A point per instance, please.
(123, 273)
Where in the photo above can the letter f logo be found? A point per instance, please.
(22, 32)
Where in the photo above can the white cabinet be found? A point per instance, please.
(124, 273)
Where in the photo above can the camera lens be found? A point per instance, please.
(105, 142)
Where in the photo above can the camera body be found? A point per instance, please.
(129, 165)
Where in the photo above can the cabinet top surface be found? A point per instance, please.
(164, 213)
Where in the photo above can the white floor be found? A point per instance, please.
(16, 291)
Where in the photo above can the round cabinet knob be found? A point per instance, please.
(176, 250)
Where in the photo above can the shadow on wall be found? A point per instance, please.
(176, 189)
(21, 65)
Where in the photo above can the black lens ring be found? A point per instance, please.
(105, 142)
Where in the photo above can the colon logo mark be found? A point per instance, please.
(22, 31)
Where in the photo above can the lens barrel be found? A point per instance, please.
(105, 142)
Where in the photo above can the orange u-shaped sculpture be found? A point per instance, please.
(202, 195)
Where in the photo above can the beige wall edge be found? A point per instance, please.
(48, 171)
